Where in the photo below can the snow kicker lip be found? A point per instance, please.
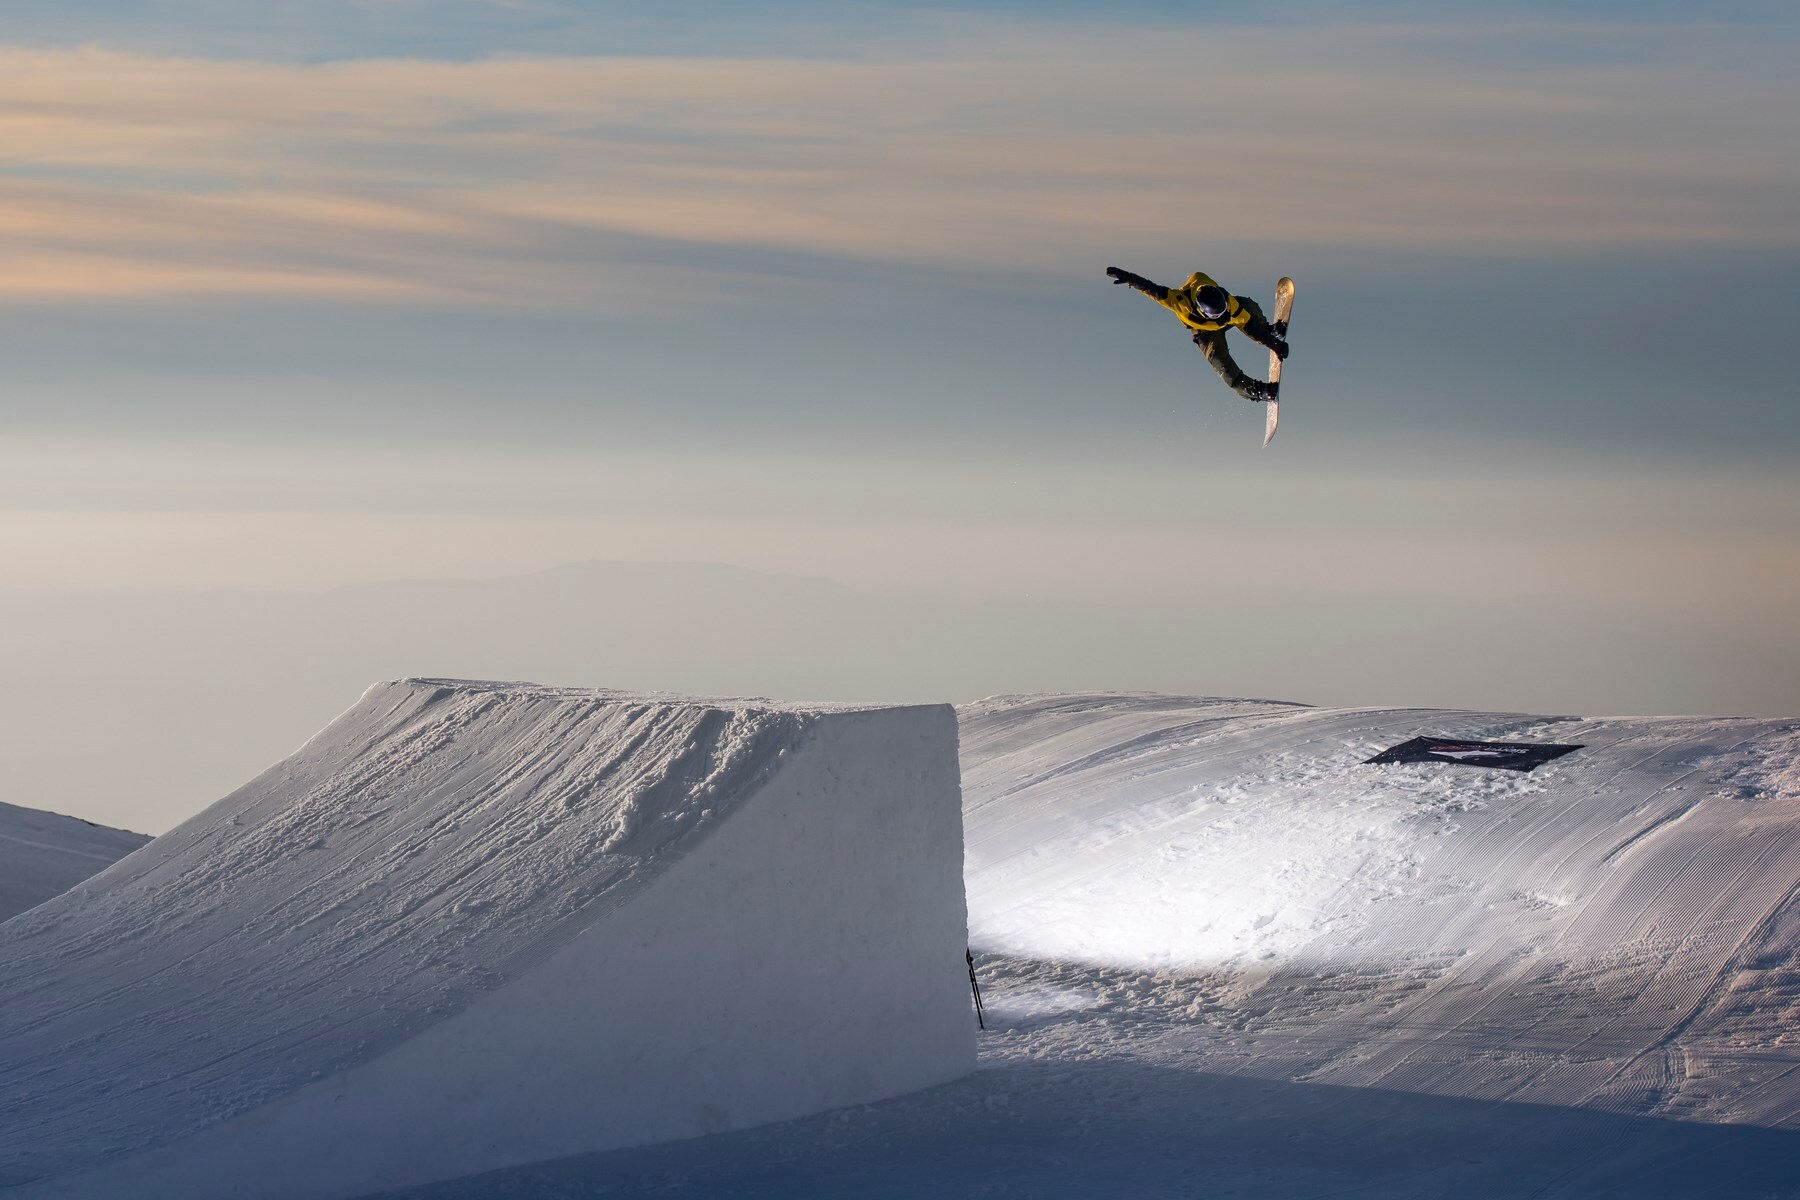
(1506, 756)
(701, 914)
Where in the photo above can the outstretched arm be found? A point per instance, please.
(1155, 291)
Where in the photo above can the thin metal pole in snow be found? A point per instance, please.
(975, 986)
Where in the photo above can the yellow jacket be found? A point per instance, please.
(1180, 301)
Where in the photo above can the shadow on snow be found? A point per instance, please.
(1119, 1128)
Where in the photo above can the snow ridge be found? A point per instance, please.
(43, 854)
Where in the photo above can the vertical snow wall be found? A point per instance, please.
(471, 925)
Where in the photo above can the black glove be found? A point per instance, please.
(1155, 291)
(1136, 281)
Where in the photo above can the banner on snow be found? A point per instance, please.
(1508, 756)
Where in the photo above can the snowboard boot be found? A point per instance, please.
(1270, 337)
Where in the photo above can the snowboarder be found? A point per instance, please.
(1209, 310)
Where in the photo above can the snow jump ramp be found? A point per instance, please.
(471, 925)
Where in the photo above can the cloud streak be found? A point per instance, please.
(511, 181)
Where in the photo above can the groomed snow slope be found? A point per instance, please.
(1615, 930)
(1222, 958)
(43, 854)
(477, 924)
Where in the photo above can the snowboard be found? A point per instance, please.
(1284, 308)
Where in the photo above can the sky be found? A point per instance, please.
(305, 296)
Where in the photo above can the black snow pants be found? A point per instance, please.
(1219, 355)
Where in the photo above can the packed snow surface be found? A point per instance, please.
(1222, 957)
(476, 924)
(43, 854)
(1613, 930)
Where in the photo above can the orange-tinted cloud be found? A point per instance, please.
(500, 181)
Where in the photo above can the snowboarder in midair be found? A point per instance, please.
(1209, 310)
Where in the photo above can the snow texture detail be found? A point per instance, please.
(1618, 930)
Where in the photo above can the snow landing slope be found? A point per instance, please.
(1618, 930)
(475, 924)
(43, 854)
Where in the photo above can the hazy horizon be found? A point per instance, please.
(359, 291)
(174, 699)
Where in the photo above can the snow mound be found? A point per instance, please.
(469, 925)
(43, 854)
(1618, 929)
